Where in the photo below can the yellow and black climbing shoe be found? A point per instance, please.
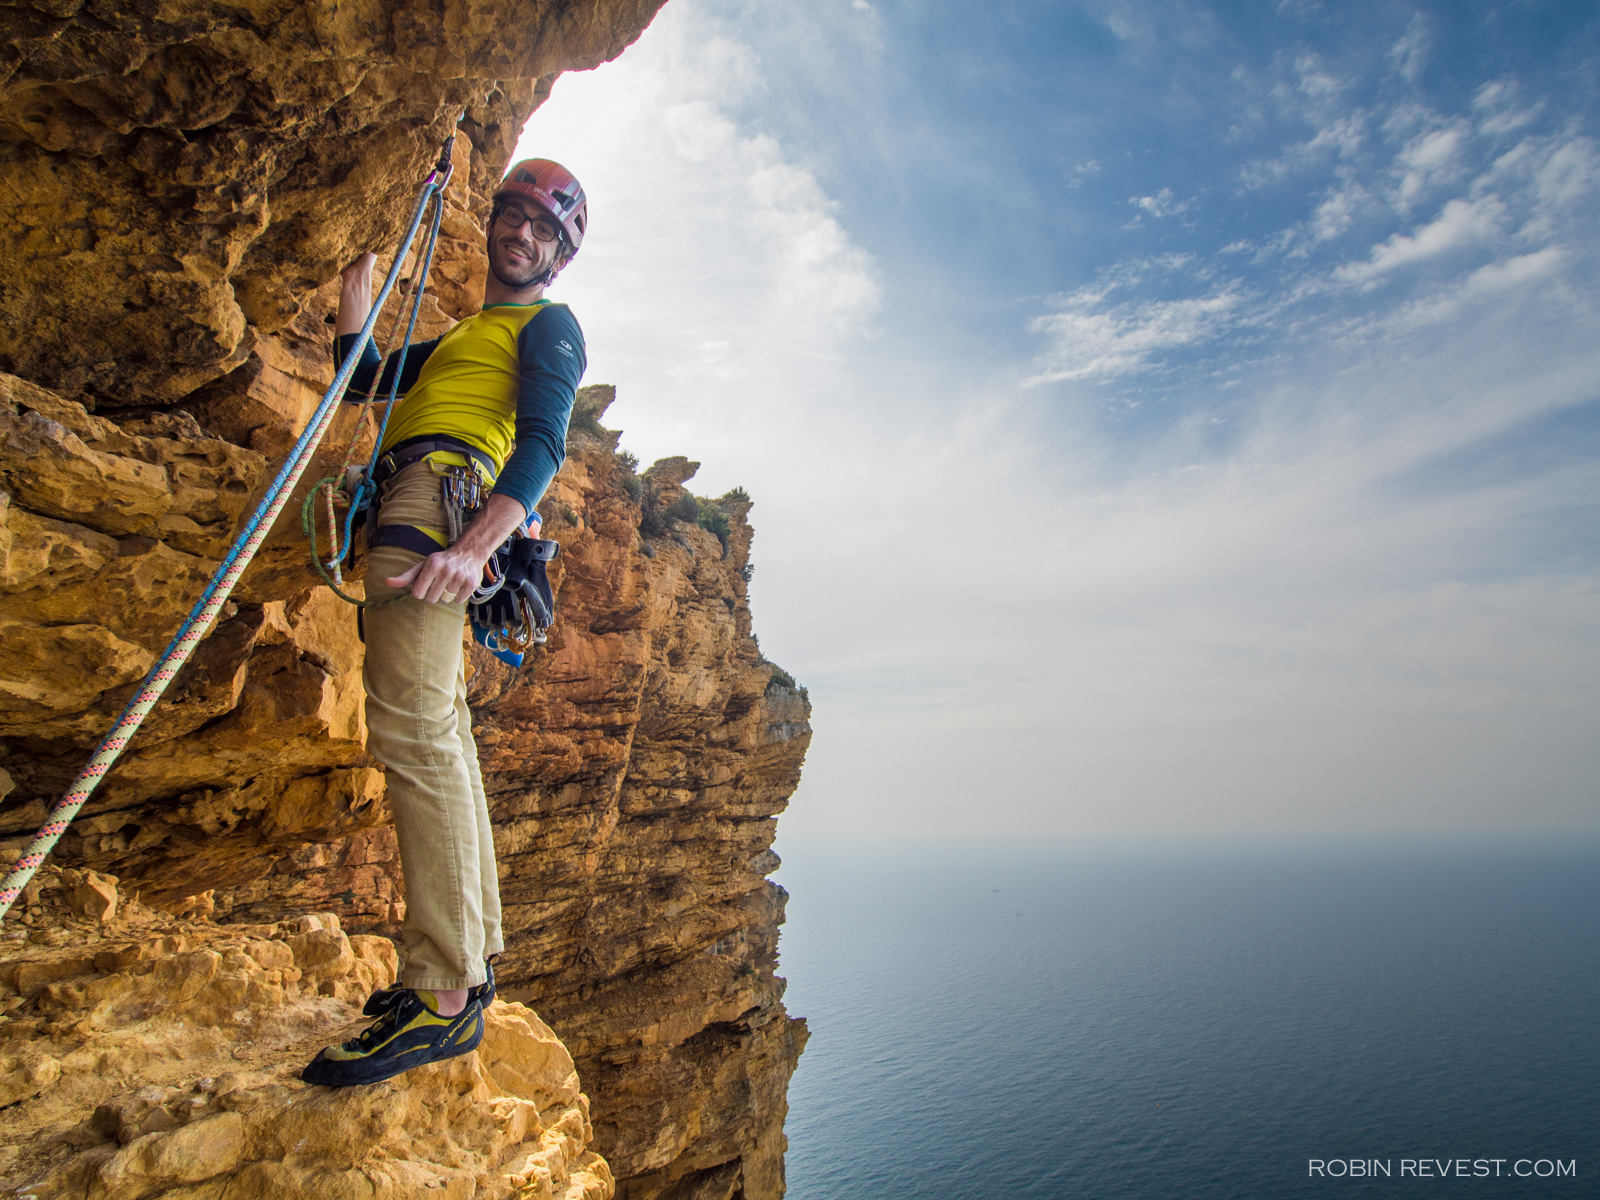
(409, 1034)
(382, 1000)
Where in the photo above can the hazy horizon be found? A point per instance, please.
(1161, 417)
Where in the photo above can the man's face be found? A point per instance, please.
(523, 243)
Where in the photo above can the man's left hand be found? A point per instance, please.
(448, 576)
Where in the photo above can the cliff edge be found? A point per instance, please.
(182, 181)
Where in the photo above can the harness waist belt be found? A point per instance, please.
(403, 454)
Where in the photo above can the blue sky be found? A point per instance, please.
(1161, 417)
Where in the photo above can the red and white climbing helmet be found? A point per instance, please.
(555, 190)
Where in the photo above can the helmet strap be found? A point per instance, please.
(562, 259)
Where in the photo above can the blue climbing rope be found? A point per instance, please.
(242, 551)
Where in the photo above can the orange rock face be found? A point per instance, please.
(182, 182)
(635, 785)
(145, 1055)
(180, 173)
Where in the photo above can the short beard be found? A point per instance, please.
(535, 278)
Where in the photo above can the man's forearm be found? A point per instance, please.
(355, 296)
(355, 302)
(493, 524)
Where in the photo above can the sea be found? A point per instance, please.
(1043, 1019)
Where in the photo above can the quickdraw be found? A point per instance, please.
(512, 612)
(512, 608)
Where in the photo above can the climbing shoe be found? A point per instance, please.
(382, 1000)
(408, 1034)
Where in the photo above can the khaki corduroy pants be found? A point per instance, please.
(419, 727)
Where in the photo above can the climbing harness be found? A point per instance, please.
(512, 608)
(514, 605)
(239, 555)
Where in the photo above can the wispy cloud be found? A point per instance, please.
(1430, 159)
(1088, 340)
(1486, 281)
(1410, 53)
(1338, 210)
(1463, 205)
(1459, 223)
(1272, 530)
(1162, 204)
(714, 251)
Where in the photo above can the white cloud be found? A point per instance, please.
(1499, 114)
(1341, 135)
(1409, 54)
(1495, 94)
(1315, 81)
(1089, 341)
(1485, 281)
(1337, 211)
(1433, 152)
(1429, 159)
(714, 253)
(1569, 173)
(1460, 222)
(1162, 204)
(1513, 271)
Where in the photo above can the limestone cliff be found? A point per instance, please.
(182, 180)
(146, 1055)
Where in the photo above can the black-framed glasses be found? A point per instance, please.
(544, 229)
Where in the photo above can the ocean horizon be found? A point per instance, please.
(1193, 1018)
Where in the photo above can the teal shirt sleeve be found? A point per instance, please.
(552, 359)
(416, 354)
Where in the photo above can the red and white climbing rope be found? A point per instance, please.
(227, 574)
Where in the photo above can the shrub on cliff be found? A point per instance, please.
(653, 514)
(712, 519)
(685, 508)
(628, 475)
(586, 410)
(708, 514)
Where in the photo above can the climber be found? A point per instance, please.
(486, 411)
